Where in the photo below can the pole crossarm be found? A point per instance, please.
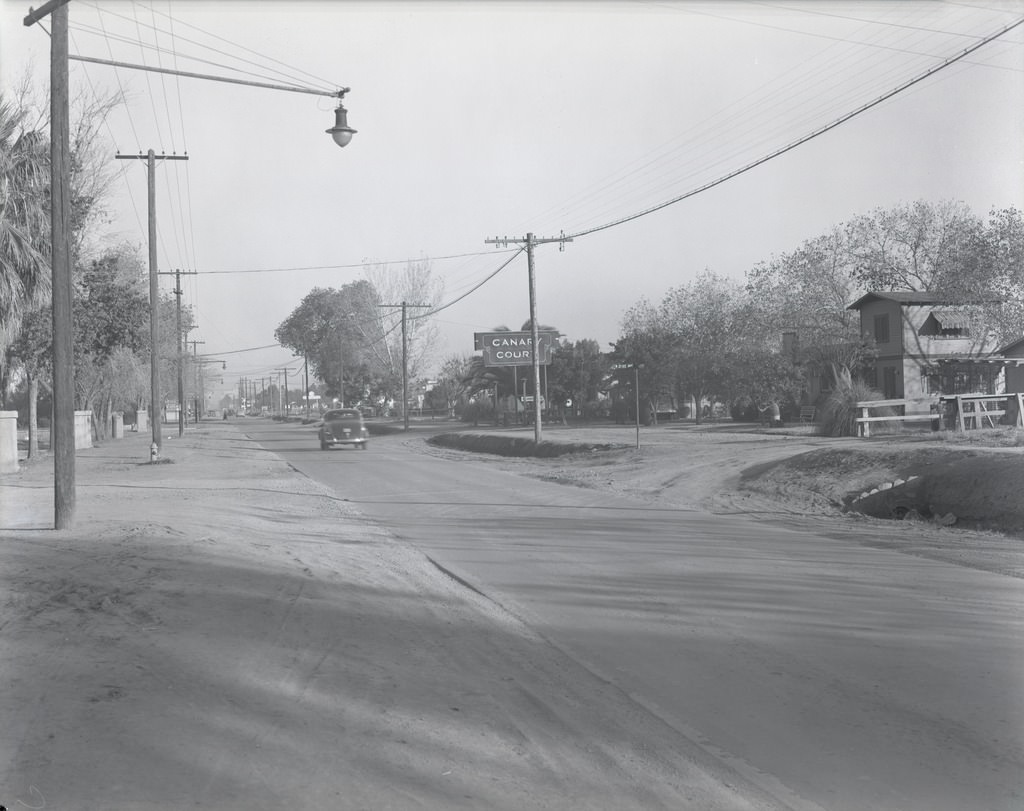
(336, 94)
(35, 16)
(177, 272)
(142, 156)
(504, 241)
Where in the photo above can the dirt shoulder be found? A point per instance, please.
(218, 631)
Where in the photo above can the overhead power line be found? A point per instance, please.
(354, 264)
(800, 141)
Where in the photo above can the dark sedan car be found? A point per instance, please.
(343, 426)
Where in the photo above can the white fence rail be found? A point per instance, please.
(971, 410)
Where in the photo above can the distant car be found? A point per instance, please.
(343, 426)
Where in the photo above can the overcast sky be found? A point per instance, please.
(478, 120)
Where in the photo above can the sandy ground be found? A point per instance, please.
(220, 632)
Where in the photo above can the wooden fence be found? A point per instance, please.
(974, 410)
(970, 410)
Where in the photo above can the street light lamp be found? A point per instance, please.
(341, 132)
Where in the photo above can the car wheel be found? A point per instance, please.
(365, 445)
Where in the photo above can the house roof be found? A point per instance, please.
(914, 297)
(1011, 348)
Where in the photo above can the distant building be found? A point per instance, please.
(930, 345)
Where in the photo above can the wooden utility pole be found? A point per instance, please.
(181, 346)
(154, 291)
(62, 425)
(305, 367)
(530, 241)
(199, 382)
(62, 430)
(284, 405)
(405, 357)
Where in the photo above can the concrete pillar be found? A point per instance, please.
(83, 429)
(142, 421)
(8, 441)
(117, 425)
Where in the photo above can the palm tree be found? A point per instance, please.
(24, 221)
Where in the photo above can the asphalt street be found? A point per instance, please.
(831, 673)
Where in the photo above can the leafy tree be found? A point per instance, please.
(762, 376)
(112, 337)
(333, 330)
(704, 319)
(453, 384)
(30, 350)
(807, 292)
(647, 350)
(1002, 245)
(920, 246)
(577, 372)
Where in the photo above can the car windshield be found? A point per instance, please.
(331, 416)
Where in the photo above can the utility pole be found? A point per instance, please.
(530, 240)
(341, 374)
(181, 344)
(199, 374)
(405, 357)
(305, 369)
(154, 289)
(62, 439)
(62, 426)
(284, 405)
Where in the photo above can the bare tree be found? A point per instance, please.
(416, 287)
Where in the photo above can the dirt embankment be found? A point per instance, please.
(723, 468)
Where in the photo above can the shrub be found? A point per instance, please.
(838, 414)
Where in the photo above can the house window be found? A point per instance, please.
(882, 328)
(946, 323)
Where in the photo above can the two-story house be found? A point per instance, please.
(928, 345)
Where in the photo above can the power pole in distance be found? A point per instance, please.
(181, 343)
(405, 357)
(530, 240)
(284, 406)
(199, 372)
(154, 289)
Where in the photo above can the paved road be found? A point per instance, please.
(834, 675)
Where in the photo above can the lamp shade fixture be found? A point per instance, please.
(341, 132)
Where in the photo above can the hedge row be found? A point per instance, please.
(515, 446)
